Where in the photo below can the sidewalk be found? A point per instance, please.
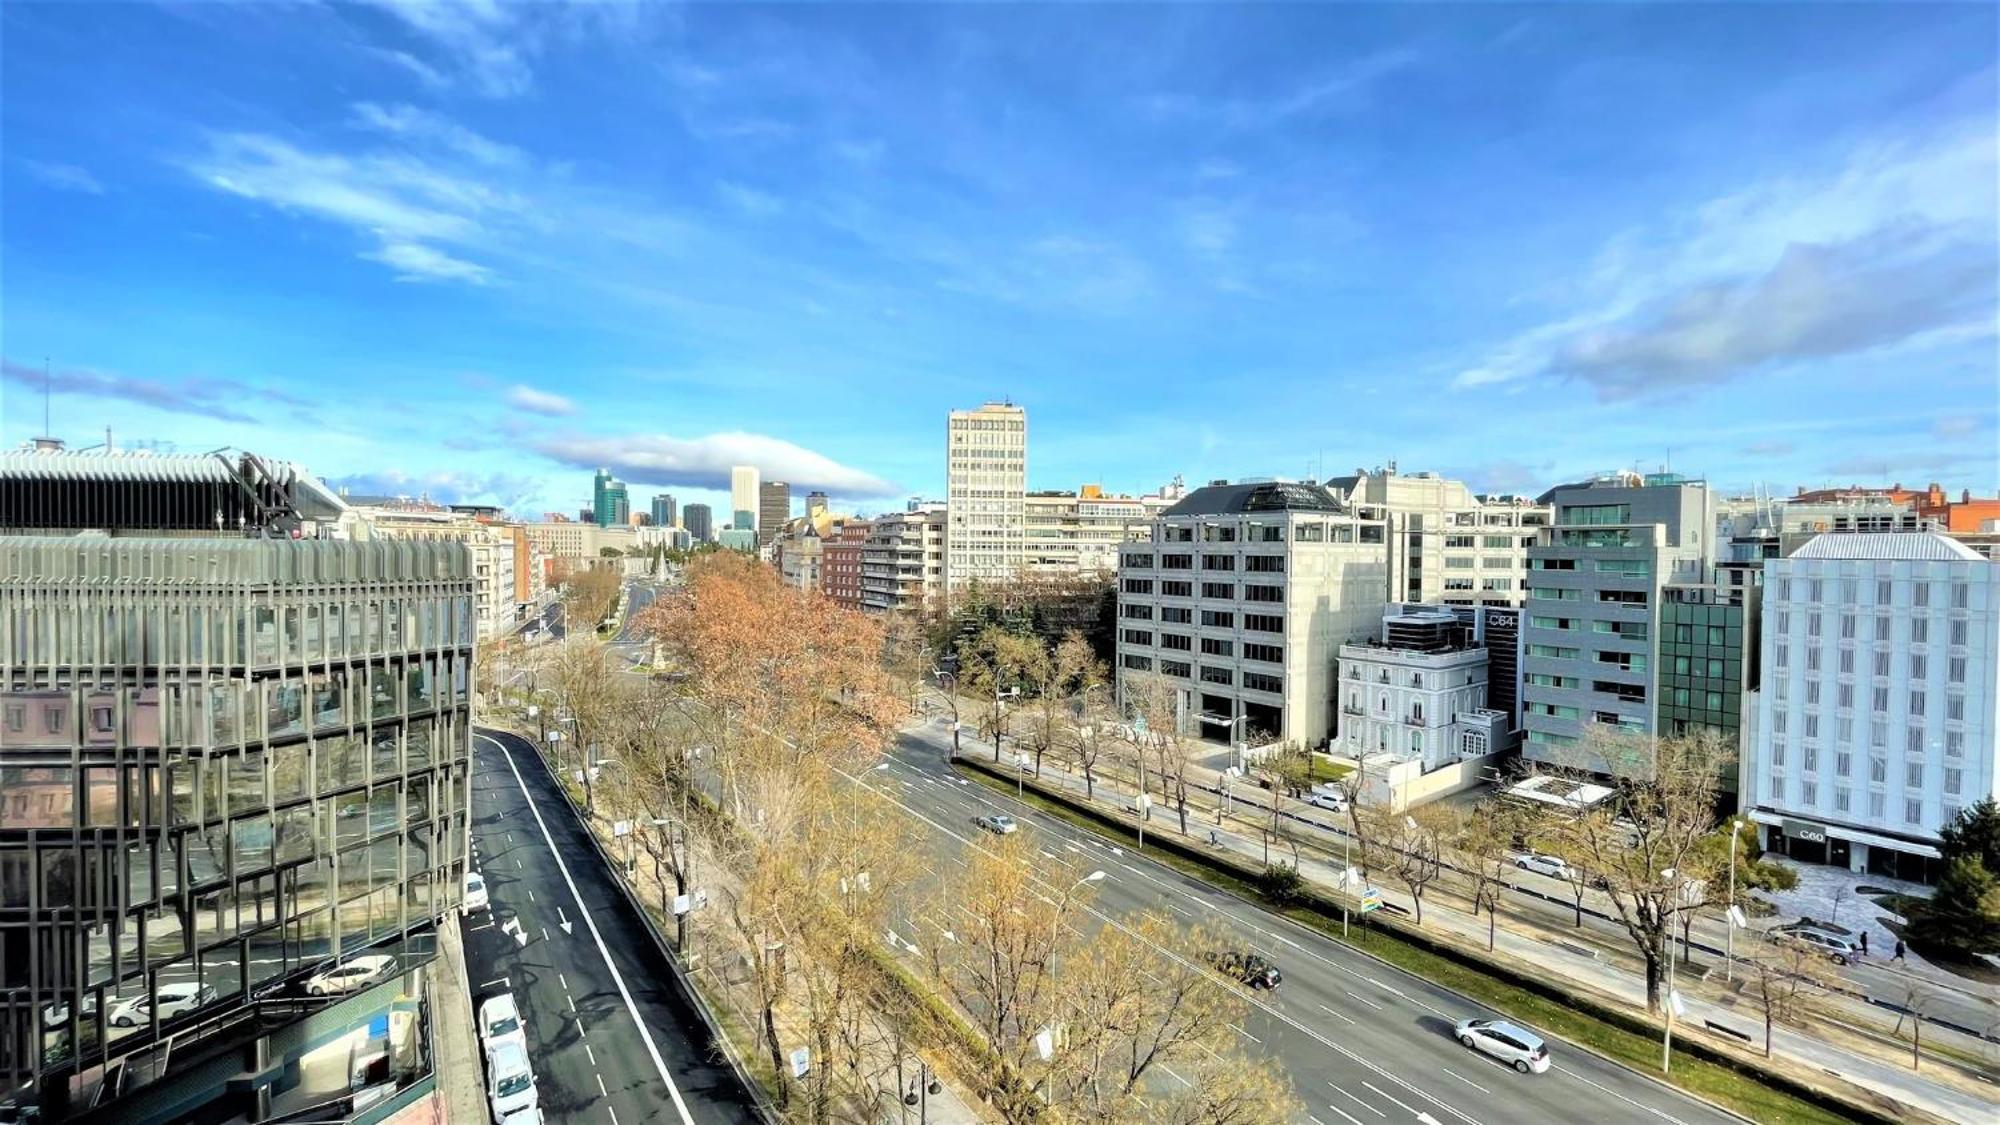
(461, 1088)
(1554, 961)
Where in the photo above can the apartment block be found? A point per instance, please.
(490, 541)
(841, 564)
(903, 559)
(1241, 597)
(1446, 543)
(986, 485)
(1079, 532)
(1878, 717)
(1595, 586)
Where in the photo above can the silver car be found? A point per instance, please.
(1516, 1046)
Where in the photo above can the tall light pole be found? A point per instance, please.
(1093, 877)
(1667, 1043)
(999, 695)
(1729, 939)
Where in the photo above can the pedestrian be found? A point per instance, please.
(1899, 950)
(1864, 943)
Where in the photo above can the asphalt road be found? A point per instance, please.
(612, 1037)
(1363, 1043)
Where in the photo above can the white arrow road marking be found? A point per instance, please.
(617, 978)
(566, 927)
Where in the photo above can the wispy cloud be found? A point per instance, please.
(749, 200)
(1344, 87)
(67, 177)
(704, 462)
(448, 487)
(484, 42)
(421, 125)
(414, 261)
(208, 398)
(1773, 447)
(1892, 249)
(523, 397)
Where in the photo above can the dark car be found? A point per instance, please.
(1247, 968)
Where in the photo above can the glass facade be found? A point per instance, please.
(1702, 670)
(223, 765)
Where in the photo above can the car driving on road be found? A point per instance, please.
(358, 973)
(475, 892)
(170, 999)
(999, 824)
(1840, 950)
(1245, 968)
(1516, 1046)
(1554, 866)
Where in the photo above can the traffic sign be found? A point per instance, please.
(1371, 900)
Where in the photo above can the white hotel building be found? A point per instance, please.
(1878, 715)
(1242, 597)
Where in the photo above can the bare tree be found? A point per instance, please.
(1484, 839)
(994, 666)
(1781, 975)
(1645, 845)
(1410, 846)
(1051, 681)
(1154, 700)
(1289, 772)
(1091, 732)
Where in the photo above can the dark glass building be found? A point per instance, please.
(228, 768)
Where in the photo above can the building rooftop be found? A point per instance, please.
(1260, 496)
(1923, 546)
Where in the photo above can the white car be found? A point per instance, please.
(999, 824)
(510, 1082)
(169, 1000)
(358, 973)
(1328, 800)
(500, 1022)
(1516, 1046)
(475, 892)
(523, 1117)
(1554, 866)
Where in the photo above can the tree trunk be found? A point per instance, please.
(1089, 783)
(1579, 909)
(1767, 1027)
(777, 1057)
(1417, 900)
(1656, 978)
(1492, 923)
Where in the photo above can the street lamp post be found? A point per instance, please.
(1729, 938)
(999, 695)
(1667, 1043)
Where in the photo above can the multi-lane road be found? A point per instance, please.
(613, 1038)
(1363, 1043)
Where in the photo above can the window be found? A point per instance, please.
(1541, 622)
(1920, 594)
(1550, 564)
(1137, 585)
(1598, 515)
(1958, 633)
(1558, 652)
(1459, 562)
(1812, 692)
(1263, 623)
(1809, 791)
(1960, 594)
(1920, 630)
(1552, 594)
(1784, 621)
(1881, 699)
(1913, 742)
(1842, 797)
(1846, 661)
(1453, 542)
(1955, 670)
(1176, 588)
(1882, 663)
(1176, 668)
(1812, 722)
(1261, 681)
(1810, 758)
(1919, 666)
(1783, 657)
(1176, 615)
(1878, 769)
(1916, 703)
(1954, 744)
(1876, 804)
(1225, 590)
(1218, 619)
(1778, 721)
(1264, 564)
(17, 717)
(1812, 660)
(1141, 561)
(52, 719)
(1878, 732)
(1844, 696)
(1176, 562)
(1847, 626)
(1884, 592)
(1954, 707)
(1210, 646)
(1263, 593)
(1913, 809)
(1136, 611)
(1843, 763)
(1218, 533)
(1218, 562)
(1136, 637)
(1953, 778)
(1217, 676)
(1177, 642)
(1269, 654)
(1913, 776)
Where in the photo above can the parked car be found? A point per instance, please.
(999, 824)
(475, 892)
(1516, 1046)
(358, 973)
(1838, 949)
(1246, 968)
(500, 1022)
(1328, 799)
(1554, 866)
(510, 1081)
(531, 1116)
(169, 1000)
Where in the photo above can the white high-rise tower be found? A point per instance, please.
(986, 487)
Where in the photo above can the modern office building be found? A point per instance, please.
(1708, 662)
(700, 527)
(579, 544)
(815, 502)
(738, 539)
(610, 506)
(903, 559)
(1079, 532)
(488, 538)
(1595, 587)
(665, 512)
(1241, 597)
(229, 762)
(1446, 543)
(774, 510)
(986, 486)
(743, 497)
(1878, 718)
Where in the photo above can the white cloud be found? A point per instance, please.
(704, 462)
(749, 200)
(1890, 250)
(413, 261)
(425, 73)
(67, 177)
(485, 41)
(523, 397)
(421, 125)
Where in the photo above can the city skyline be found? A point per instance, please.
(417, 272)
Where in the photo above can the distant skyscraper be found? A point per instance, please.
(986, 486)
(815, 503)
(664, 510)
(699, 527)
(774, 510)
(743, 492)
(609, 502)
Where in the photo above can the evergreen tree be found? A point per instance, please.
(1963, 914)
(1974, 832)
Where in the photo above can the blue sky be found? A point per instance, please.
(479, 250)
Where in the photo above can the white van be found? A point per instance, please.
(510, 1082)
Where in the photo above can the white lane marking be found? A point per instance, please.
(501, 981)
(1334, 1014)
(1384, 987)
(1365, 1000)
(581, 1031)
(1344, 1113)
(563, 979)
(1659, 1113)
(1464, 1079)
(545, 933)
(614, 1114)
(1359, 1102)
(1239, 1030)
(618, 978)
(1176, 1076)
(591, 1053)
(570, 1000)
(517, 863)
(476, 929)
(1378, 1091)
(601, 1091)
(531, 896)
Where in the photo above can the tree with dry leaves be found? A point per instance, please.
(1410, 846)
(995, 668)
(1644, 847)
(1050, 684)
(1484, 840)
(1157, 732)
(1782, 975)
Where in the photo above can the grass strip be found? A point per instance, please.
(1720, 1082)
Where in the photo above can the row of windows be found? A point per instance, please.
(1215, 590)
(1816, 589)
(1881, 661)
(1957, 629)
(1916, 737)
(154, 633)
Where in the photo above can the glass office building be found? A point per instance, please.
(227, 765)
